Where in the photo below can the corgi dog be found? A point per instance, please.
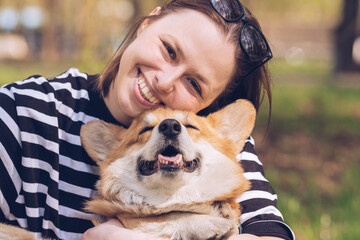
(172, 174)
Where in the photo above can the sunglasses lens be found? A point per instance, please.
(254, 44)
(252, 41)
(230, 10)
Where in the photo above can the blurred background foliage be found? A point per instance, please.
(310, 149)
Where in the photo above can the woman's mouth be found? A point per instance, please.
(145, 91)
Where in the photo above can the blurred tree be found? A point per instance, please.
(49, 32)
(345, 35)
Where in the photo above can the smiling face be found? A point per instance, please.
(181, 60)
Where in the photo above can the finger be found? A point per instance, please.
(114, 222)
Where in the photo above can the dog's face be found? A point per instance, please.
(169, 151)
(167, 154)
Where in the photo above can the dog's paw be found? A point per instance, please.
(203, 227)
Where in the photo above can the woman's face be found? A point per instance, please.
(181, 60)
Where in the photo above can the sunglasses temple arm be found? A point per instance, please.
(256, 67)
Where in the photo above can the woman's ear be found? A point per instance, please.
(146, 22)
(156, 11)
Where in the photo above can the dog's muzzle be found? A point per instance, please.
(169, 158)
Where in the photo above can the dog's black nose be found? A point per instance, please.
(170, 128)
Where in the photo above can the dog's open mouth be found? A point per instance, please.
(169, 160)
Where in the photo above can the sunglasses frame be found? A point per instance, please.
(247, 23)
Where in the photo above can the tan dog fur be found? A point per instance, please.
(9, 232)
(180, 205)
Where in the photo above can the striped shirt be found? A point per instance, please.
(46, 175)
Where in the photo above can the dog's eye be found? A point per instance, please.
(145, 129)
(191, 126)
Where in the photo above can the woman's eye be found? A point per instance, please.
(170, 51)
(195, 85)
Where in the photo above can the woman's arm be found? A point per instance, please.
(10, 159)
(260, 215)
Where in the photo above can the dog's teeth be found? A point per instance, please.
(179, 160)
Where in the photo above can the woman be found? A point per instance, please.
(189, 55)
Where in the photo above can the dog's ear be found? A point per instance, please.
(236, 121)
(98, 137)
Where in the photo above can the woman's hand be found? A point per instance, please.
(113, 230)
(252, 237)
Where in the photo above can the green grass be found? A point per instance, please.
(315, 123)
(313, 217)
(307, 97)
(319, 110)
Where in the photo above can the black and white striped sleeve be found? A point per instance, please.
(45, 174)
(10, 156)
(260, 215)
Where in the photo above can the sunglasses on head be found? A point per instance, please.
(252, 42)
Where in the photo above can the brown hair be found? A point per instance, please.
(253, 87)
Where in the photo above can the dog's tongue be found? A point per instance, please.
(174, 159)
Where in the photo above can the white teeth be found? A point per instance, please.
(179, 160)
(148, 95)
(145, 91)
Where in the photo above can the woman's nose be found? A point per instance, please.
(168, 78)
